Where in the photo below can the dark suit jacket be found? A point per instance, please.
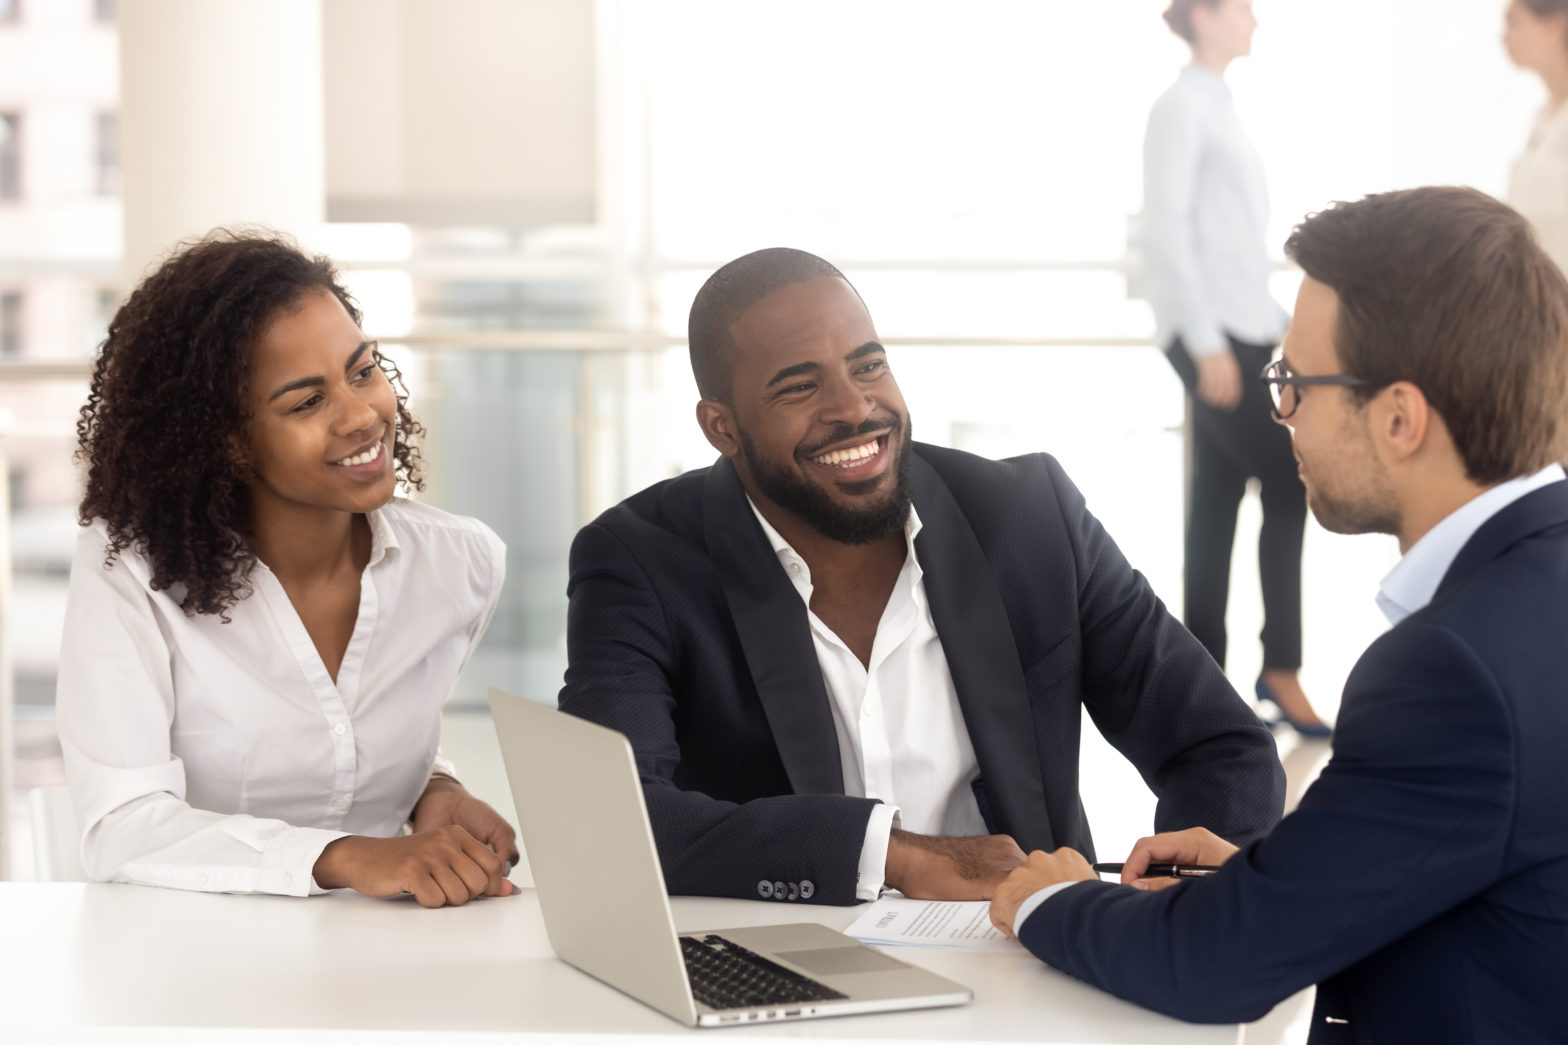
(1423, 882)
(686, 634)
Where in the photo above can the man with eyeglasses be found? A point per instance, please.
(1423, 881)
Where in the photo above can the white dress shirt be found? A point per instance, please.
(222, 756)
(1538, 182)
(1408, 587)
(1205, 221)
(1413, 581)
(901, 733)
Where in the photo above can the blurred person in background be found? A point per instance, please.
(1536, 38)
(260, 634)
(1207, 273)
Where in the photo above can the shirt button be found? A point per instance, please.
(288, 879)
(794, 567)
(867, 710)
(202, 878)
(340, 729)
(340, 804)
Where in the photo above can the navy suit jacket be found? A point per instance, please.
(1423, 882)
(686, 634)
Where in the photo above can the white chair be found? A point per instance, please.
(57, 843)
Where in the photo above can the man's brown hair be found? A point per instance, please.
(1448, 289)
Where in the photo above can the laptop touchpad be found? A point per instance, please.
(836, 961)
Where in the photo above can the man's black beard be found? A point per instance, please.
(880, 519)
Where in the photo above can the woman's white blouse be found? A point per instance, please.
(221, 756)
(1538, 183)
(1205, 221)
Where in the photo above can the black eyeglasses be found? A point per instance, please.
(1282, 385)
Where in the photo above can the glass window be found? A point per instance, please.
(106, 153)
(10, 155)
(10, 323)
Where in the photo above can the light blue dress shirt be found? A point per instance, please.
(1411, 584)
(1205, 221)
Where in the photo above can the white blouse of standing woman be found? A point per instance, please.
(1189, 291)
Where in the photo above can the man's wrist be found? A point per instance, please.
(871, 874)
(1033, 901)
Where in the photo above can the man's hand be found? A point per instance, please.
(444, 866)
(1042, 869)
(1196, 845)
(928, 867)
(1219, 379)
(446, 802)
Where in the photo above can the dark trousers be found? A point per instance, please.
(1228, 448)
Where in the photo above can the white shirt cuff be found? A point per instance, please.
(1028, 907)
(873, 853)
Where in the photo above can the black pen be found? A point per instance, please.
(1163, 870)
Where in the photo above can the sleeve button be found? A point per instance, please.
(765, 890)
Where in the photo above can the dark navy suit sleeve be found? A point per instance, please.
(1410, 818)
(1159, 698)
(627, 670)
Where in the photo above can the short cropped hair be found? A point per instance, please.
(1179, 17)
(726, 295)
(1448, 289)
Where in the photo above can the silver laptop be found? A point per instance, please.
(601, 890)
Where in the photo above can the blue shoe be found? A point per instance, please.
(1311, 732)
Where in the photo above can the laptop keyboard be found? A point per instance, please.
(725, 975)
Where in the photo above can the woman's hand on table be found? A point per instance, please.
(447, 865)
(446, 802)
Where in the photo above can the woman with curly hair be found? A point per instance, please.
(260, 633)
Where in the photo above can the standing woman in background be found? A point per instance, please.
(1205, 216)
(260, 634)
(1536, 38)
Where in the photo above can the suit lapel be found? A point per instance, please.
(774, 636)
(977, 641)
(1527, 516)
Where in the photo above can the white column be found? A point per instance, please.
(221, 121)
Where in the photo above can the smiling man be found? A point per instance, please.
(848, 660)
(1423, 881)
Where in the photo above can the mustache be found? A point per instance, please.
(887, 422)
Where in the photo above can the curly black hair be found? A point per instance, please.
(167, 405)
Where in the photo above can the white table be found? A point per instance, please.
(158, 965)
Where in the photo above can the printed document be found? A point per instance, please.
(899, 922)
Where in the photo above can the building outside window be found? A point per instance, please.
(106, 153)
(10, 323)
(10, 155)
